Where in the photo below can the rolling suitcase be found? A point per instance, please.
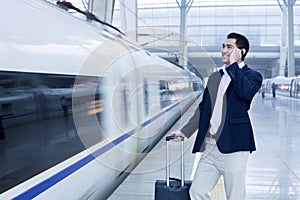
(172, 188)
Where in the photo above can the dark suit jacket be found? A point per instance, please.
(235, 132)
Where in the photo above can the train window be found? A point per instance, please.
(146, 97)
(167, 93)
(6, 109)
(297, 89)
(7, 80)
(177, 89)
(37, 121)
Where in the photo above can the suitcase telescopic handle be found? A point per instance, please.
(168, 138)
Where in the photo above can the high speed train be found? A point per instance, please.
(285, 86)
(80, 104)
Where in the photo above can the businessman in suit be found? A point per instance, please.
(225, 134)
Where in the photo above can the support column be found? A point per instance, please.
(291, 51)
(184, 9)
(283, 44)
(287, 52)
(128, 15)
(103, 9)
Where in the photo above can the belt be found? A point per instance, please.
(209, 135)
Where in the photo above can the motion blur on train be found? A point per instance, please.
(80, 104)
(284, 86)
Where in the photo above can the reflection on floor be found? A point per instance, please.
(274, 169)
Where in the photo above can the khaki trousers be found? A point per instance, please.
(212, 165)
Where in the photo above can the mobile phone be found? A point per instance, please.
(242, 52)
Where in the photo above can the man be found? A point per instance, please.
(274, 90)
(224, 130)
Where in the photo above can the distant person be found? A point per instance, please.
(263, 91)
(64, 105)
(274, 90)
(225, 133)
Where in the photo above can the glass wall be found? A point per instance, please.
(209, 21)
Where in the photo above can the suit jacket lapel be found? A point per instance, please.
(213, 85)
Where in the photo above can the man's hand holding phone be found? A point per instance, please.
(236, 56)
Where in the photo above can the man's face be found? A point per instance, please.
(227, 48)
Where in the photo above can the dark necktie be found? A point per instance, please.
(221, 72)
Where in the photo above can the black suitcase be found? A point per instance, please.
(172, 188)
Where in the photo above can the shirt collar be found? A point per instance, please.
(241, 64)
(223, 67)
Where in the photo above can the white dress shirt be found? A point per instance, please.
(216, 117)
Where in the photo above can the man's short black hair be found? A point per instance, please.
(241, 42)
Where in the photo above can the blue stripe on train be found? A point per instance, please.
(46, 184)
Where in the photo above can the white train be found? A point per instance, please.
(80, 105)
(284, 86)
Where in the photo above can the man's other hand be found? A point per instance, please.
(179, 135)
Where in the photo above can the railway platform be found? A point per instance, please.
(273, 169)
